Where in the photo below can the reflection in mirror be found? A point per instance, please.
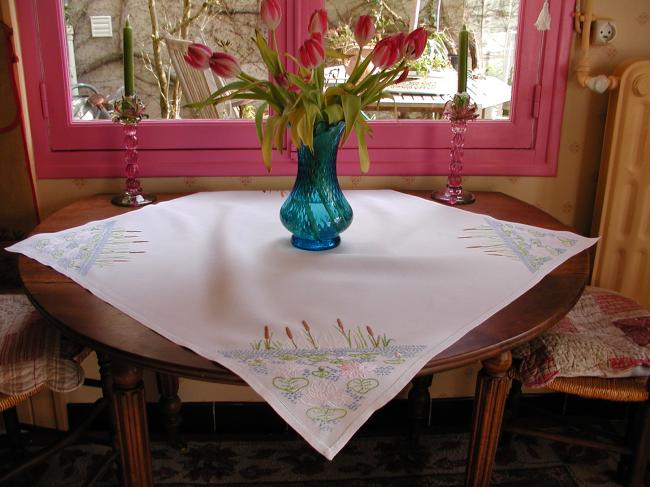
(161, 31)
(433, 79)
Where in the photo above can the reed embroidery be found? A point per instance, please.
(531, 246)
(98, 245)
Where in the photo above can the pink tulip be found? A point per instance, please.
(318, 22)
(415, 43)
(386, 53)
(281, 80)
(311, 53)
(224, 65)
(364, 30)
(403, 76)
(198, 56)
(271, 13)
(400, 42)
(318, 37)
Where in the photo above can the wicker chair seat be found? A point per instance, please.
(633, 389)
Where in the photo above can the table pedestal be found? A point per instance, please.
(489, 403)
(170, 408)
(419, 404)
(129, 409)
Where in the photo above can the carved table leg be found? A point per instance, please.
(489, 402)
(419, 402)
(106, 376)
(130, 413)
(170, 407)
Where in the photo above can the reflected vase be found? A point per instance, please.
(316, 211)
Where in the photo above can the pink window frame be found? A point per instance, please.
(526, 145)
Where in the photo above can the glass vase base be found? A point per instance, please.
(307, 244)
(453, 198)
(127, 199)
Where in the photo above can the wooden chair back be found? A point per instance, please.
(197, 85)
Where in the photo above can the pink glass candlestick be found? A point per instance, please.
(459, 111)
(129, 112)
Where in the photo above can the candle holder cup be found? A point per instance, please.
(129, 111)
(459, 111)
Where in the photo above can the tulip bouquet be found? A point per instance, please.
(299, 98)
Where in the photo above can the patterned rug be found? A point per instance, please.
(386, 461)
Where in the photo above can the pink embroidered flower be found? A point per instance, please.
(224, 65)
(415, 43)
(271, 13)
(318, 22)
(364, 30)
(355, 370)
(198, 56)
(323, 393)
(386, 53)
(311, 53)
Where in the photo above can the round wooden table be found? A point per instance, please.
(126, 346)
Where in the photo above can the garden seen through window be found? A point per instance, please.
(163, 29)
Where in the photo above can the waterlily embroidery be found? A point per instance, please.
(325, 375)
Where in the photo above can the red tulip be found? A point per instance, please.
(318, 37)
(403, 76)
(271, 13)
(415, 43)
(224, 65)
(386, 53)
(198, 56)
(311, 53)
(281, 80)
(400, 42)
(318, 22)
(364, 30)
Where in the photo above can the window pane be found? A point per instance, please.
(94, 33)
(493, 29)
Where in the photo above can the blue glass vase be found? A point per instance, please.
(316, 211)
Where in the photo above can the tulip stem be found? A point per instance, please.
(358, 58)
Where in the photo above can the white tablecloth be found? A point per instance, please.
(327, 337)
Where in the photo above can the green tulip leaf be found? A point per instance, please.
(362, 129)
(351, 108)
(259, 118)
(267, 143)
(334, 113)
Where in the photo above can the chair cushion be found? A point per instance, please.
(31, 351)
(604, 335)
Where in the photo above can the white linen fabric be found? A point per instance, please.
(325, 337)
